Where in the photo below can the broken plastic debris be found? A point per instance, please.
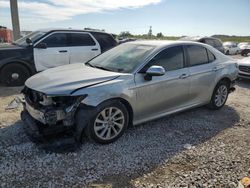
(188, 146)
(14, 104)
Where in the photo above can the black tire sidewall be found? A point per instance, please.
(212, 102)
(90, 128)
(9, 69)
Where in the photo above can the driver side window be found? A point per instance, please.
(170, 59)
(56, 40)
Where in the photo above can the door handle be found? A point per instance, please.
(215, 69)
(62, 51)
(183, 76)
(94, 49)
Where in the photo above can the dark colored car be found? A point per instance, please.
(214, 42)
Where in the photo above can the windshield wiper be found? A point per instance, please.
(99, 67)
(103, 68)
(89, 64)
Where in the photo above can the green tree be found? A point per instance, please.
(159, 35)
(125, 34)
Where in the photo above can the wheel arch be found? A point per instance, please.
(24, 63)
(89, 112)
(126, 104)
(225, 79)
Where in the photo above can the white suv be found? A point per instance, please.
(45, 49)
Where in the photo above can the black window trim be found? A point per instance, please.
(95, 34)
(188, 57)
(91, 36)
(208, 56)
(68, 37)
(49, 34)
(185, 65)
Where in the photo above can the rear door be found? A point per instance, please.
(202, 69)
(82, 47)
(55, 54)
(105, 40)
(163, 93)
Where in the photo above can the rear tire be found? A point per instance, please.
(14, 74)
(219, 96)
(107, 122)
(227, 52)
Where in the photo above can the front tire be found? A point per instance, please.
(219, 96)
(108, 122)
(14, 74)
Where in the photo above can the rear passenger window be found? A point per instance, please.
(56, 40)
(81, 39)
(211, 56)
(197, 55)
(170, 59)
(106, 41)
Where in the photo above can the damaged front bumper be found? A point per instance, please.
(38, 131)
(40, 121)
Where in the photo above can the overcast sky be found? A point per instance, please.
(171, 17)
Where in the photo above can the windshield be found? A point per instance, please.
(33, 36)
(123, 58)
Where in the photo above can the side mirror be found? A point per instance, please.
(41, 45)
(154, 71)
(28, 41)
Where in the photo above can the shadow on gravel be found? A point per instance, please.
(244, 83)
(139, 151)
(12, 135)
(166, 137)
(8, 91)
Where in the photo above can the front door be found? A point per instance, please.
(54, 53)
(165, 93)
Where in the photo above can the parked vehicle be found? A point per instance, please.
(244, 68)
(231, 48)
(132, 83)
(245, 48)
(242, 45)
(124, 40)
(44, 49)
(214, 42)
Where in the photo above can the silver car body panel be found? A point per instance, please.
(161, 96)
(63, 80)
(244, 68)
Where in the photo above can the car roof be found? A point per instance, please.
(197, 38)
(70, 29)
(162, 43)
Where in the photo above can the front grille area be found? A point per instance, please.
(32, 96)
(245, 75)
(244, 68)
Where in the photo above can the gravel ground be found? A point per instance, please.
(196, 148)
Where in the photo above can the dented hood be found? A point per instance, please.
(64, 80)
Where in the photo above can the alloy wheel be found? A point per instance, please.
(221, 95)
(109, 123)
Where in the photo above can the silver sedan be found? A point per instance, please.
(130, 84)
